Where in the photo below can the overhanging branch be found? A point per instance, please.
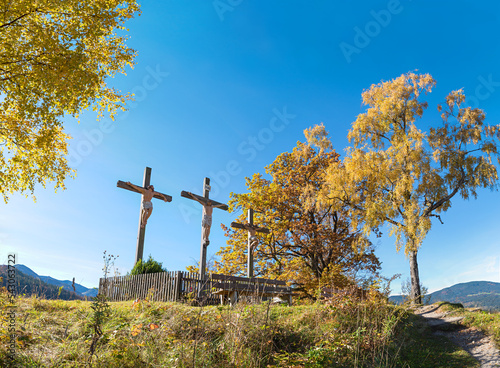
(443, 200)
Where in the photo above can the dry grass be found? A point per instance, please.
(343, 332)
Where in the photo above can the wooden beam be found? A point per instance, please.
(262, 230)
(205, 201)
(246, 227)
(123, 185)
(238, 225)
(141, 233)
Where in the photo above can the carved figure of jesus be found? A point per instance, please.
(147, 204)
(206, 222)
(253, 239)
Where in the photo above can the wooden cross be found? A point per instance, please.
(252, 239)
(142, 229)
(206, 220)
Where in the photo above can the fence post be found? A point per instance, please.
(177, 286)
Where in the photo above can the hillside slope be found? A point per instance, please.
(29, 285)
(480, 294)
(66, 284)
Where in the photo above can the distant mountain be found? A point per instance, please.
(30, 285)
(480, 294)
(66, 284)
(26, 270)
(91, 292)
(397, 299)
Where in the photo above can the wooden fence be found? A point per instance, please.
(163, 286)
(182, 286)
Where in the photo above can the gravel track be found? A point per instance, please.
(472, 340)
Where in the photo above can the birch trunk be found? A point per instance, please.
(415, 295)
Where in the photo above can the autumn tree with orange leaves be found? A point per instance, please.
(309, 245)
(395, 173)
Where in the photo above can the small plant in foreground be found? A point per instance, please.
(100, 309)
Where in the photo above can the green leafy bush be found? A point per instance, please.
(150, 266)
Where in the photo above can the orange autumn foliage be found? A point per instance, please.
(309, 245)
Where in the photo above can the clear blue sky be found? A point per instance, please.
(210, 77)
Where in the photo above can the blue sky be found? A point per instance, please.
(222, 88)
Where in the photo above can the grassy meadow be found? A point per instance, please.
(340, 332)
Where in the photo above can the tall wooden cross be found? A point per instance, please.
(206, 220)
(252, 239)
(142, 229)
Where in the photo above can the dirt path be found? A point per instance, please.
(471, 340)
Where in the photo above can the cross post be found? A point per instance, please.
(142, 190)
(206, 220)
(252, 239)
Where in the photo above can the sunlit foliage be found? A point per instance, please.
(309, 244)
(55, 57)
(398, 174)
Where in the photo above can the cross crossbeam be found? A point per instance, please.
(157, 195)
(204, 201)
(250, 227)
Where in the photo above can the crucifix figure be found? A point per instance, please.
(252, 239)
(148, 193)
(147, 205)
(206, 220)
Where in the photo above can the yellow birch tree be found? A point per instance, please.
(395, 173)
(55, 57)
